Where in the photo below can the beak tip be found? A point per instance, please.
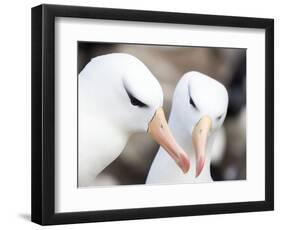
(184, 163)
(198, 171)
(199, 141)
(199, 166)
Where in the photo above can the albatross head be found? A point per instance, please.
(200, 106)
(131, 98)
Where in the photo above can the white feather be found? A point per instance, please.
(106, 116)
(211, 99)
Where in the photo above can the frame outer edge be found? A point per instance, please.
(36, 114)
(48, 115)
(269, 129)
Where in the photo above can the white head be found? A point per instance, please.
(199, 106)
(123, 89)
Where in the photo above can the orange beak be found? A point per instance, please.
(160, 132)
(199, 140)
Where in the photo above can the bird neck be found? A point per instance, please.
(181, 134)
(100, 143)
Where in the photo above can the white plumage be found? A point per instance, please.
(118, 96)
(198, 110)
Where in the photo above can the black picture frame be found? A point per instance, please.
(43, 114)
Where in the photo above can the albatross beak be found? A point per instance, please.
(199, 140)
(159, 130)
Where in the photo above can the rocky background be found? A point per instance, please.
(168, 64)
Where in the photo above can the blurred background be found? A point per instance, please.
(168, 64)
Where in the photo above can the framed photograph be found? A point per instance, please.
(142, 114)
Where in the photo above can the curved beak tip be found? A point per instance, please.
(199, 165)
(184, 163)
(199, 141)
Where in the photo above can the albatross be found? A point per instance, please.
(119, 96)
(198, 111)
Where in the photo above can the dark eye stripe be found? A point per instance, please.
(135, 101)
(219, 117)
(192, 102)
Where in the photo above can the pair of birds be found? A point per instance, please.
(119, 96)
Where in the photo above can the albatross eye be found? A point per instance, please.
(135, 101)
(192, 102)
(219, 117)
